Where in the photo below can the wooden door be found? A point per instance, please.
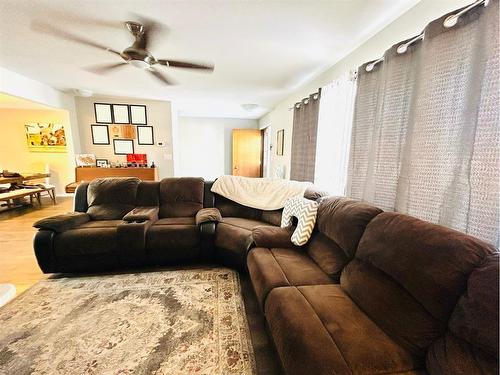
(247, 152)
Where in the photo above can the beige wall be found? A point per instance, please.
(409, 24)
(159, 115)
(205, 145)
(14, 153)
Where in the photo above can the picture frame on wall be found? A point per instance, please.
(122, 131)
(100, 134)
(103, 114)
(280, 142)
(145, 135)
(120, 114)
(138, 115)
(123, 146)
(102, 163)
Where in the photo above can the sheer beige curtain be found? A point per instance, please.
(304, 136)
(426, 131)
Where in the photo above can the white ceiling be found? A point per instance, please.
(262, 50)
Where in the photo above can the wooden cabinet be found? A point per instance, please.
(90, 173)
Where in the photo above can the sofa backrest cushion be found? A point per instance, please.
(229, 208)
(272, 217)
(407, 276)
(181, 196)
(471, 343)
(111, 198)
(339, 226)
(148, 194)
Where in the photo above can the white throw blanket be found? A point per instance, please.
(260, 193)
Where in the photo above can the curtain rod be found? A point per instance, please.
(450, 21)
(306, 100)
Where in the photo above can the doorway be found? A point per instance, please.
(247, 152)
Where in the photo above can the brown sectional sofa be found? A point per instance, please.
(370, 293)
(413, 297)
(126, 222)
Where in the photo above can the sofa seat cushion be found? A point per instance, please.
(168, 243)
(272, 268)
(87, 241)
(176, 221)
(320, 330)
(101, 224)
(240, 222)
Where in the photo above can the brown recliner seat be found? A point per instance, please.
(174, 237)
(233, 235)
(391, 311)
(276, 262)
(94, 243)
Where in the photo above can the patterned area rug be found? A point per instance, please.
(169, 322)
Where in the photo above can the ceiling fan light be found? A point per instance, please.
(139, 64)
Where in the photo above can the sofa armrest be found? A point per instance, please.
(62, 223)
(131, 237)
(207, 215)
(142, 214)
(272, 237)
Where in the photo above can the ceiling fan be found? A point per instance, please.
(136, 55)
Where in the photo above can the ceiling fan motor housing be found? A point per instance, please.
(135, 28)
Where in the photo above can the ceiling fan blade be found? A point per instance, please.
(185, 65)
(160, 76)
(103, 69)
(51, 30)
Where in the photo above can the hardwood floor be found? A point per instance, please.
(18, 264)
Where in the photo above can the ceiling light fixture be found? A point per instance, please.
(83, 92)
(249, 106)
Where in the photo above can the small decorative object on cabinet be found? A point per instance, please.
(103, 113)
(102, 163)
(145, 135)
(85, 160)
(100, 134)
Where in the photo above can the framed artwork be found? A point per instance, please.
(138, 115)
(45, 137)
(100, 134)
(123, 146)
(145, 135)
(280, 142)
(120, 114)
(102, 163)
(103, 113)
(85, 160)
(122, 131)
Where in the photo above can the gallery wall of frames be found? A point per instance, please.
(121, 126)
